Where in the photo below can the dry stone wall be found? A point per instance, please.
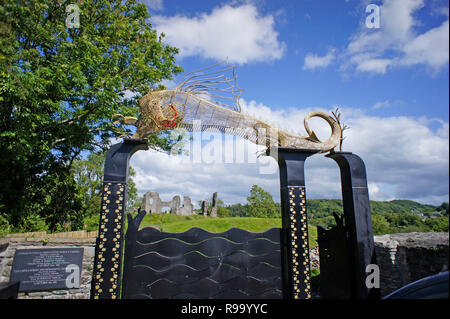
(84, 240)
(405, 258)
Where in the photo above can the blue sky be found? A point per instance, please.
(391, 84)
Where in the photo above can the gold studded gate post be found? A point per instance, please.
(294, 234)
(107, 272)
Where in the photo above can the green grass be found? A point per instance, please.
(176, 224)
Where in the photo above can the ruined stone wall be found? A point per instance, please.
(153, 204)
(405, 258)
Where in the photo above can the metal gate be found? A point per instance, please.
(235, 263)
(199, 264)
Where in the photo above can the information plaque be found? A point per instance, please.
(49, 268)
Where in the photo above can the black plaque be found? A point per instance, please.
(49, 268)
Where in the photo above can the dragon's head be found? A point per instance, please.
(158, 111)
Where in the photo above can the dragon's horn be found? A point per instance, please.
(335, 137)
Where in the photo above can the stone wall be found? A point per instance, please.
(84, 240)
(405, 258)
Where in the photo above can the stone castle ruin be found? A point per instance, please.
(153, 204)
(213, 212)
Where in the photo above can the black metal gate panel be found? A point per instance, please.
(198, 264)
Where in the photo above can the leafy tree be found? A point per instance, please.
(238, 210)
(223, 212)
(443, 208)
(439, 224)
(380, 225)
(327, 222)
(88, 174)
(60, 86)
(5, 228)
(261, 204)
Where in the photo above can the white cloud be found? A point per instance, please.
(396, 43)
(156, 5)
(240, 33)
(169, 84)
(431, 48)
(375, 192)
(443, 131)
(313, 61)
(380, 105)
(404, 159)
(373, 65)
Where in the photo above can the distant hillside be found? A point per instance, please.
(318, 208)
(390, 217)
(413, 206)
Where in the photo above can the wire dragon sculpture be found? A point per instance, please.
(209, 98)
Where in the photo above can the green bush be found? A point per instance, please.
(32, 223)
(380, 225)
(223, 212)
(91, 222)
(4, 226)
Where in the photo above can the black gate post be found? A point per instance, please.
(106, 275)
(358, 222)
(294, 232)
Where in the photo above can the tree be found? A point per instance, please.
(88, 174)
(60, 86)
(439, 224)
(443, 208)
(238, 210)
(261, 204)
(380, 225)
(223, 212)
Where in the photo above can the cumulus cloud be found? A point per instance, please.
(430, 48)
(404, 157)
(396, 43)
(240, 33)
(313, 61)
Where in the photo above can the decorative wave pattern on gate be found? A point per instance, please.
(200, 264)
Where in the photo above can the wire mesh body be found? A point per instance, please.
(209, 99)
(195, 113)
